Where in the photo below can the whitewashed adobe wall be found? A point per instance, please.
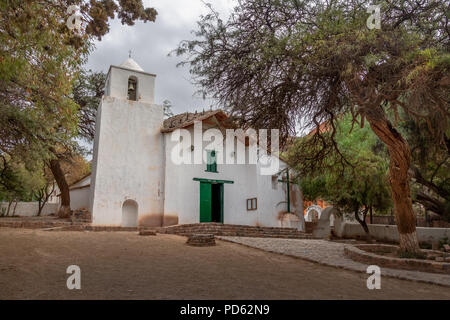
(182, 193)
(79, 194)
(79, 198)
(272, 199)
(128, 156)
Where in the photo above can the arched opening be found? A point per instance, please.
(313, 213)
(130, 213)
(323, 228)
(132, 88)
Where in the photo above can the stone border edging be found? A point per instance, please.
(416, 276)
(357, 254)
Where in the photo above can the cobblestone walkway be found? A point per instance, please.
(331, 254)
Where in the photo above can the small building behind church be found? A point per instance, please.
(135, 181)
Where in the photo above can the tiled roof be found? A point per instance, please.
(186, 119)
(80, 179)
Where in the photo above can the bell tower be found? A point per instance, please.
(127, 167)
(128, 81)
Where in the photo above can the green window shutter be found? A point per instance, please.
(213, 162)
(208, 160)
(211, 165)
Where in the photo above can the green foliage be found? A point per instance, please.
(167, 105)
(87, 92)
(362, 183)
(314, 187)
(18, 180)
(10, 184)
(38, 67)
(443, 242)
(97, 13)
(426, 245)
(411, 255)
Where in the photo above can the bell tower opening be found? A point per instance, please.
(132, 88)
(130, 82)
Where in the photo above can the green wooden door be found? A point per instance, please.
(221, 202)
(205, 202)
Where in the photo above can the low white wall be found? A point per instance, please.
(79, 199)
(389, 232)
(29, 209)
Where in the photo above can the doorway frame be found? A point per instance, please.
(130, 206)
(205, 214)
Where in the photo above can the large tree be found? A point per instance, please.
(40, 57)
(278, 64)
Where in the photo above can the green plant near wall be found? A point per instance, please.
(443, 242)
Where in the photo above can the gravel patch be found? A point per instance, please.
(331, 254)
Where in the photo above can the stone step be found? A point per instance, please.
(201, 240)
(185, 230)
(38, 224)
(309, 226)
(234, 230)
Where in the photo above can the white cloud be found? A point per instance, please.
(151, 43)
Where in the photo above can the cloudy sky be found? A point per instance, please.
(151, 43)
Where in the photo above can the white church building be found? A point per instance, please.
(136, 182)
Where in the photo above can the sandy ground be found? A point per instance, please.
(123, 265)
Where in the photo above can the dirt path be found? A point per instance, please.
(123, 265)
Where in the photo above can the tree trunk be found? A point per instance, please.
(64, 211)
(301, 208)
(39, 197)
(363, 223)
(371, 215)
(15, 207)
(431, 203)
(44, 195)
(40, 207)
(9, 207)
(400, 159)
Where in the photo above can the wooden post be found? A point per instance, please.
(288, 192)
